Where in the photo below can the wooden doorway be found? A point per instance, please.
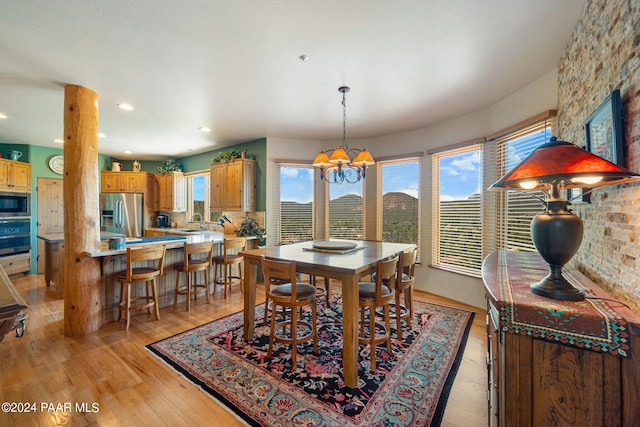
(50, 212)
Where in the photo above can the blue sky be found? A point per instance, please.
(297, 183)
(460, 176)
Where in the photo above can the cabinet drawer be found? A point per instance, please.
(14, 264)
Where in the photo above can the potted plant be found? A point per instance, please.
(170, 166)
(225, 156)
(250, 228)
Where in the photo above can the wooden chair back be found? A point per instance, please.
(233, 245)
(385, 269)
(148, 254)
(197, 256)
(279, 272)
(407, 263)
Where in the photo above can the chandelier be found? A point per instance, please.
(343, 164)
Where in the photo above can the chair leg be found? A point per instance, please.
(294, 340)
(206, 284)
(271, 334)
(188, 274)
(372, 337)
(387, 321)
(408, 302)
(314, 327)
(128, 306)
(120, 301)
(398, 316)
(156, 306)
(175, 295)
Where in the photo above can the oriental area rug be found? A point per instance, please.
(410, 387)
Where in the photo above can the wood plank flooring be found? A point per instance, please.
(118, 382)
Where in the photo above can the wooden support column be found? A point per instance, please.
(82, 285)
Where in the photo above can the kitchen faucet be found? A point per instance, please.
(193, 219)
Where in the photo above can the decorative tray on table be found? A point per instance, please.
(334, 247)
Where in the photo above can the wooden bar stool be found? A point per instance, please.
(197, 257)
(152, 258)
(404, 286)
(291, 296)
(227, 260)
(377, 294)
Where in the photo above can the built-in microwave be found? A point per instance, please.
(15, 204)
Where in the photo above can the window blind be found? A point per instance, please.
(345, 211)
(398, 200)
(294, 219)
(457, 232)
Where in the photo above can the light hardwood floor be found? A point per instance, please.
(111, 372)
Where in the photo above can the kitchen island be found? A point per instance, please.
(113, 263)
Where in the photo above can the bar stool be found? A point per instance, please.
(404, 286)
(197, 257)
(372, 295)
(153, 259)
(291, 296)
(227, 260)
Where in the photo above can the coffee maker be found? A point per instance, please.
(162, 221)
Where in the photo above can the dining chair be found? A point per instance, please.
(404, 287)
(229, 259)
(377, 294)
(292, 296)
(144, 264)
(196, 257)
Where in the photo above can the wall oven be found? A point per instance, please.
(15, 236)
(15, 204)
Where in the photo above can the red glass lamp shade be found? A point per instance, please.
(557, 232)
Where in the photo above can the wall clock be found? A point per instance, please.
(56, 164)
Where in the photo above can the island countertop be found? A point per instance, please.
(59, 237)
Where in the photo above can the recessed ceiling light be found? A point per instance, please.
(2, 116)
(59, 141)
(205, 129)
(127, 107)
(102, 135)
(128, 152)
(303, 58)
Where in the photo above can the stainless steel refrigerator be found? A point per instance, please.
(122, 213)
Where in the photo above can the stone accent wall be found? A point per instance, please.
(602, 55)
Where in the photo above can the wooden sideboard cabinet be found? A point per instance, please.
(172, 192)
(15, 176)
(557, 363)
(233, 185)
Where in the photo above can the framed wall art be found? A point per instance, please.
(604, 130)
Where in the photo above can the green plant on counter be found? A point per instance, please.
(225, 156)
(170, 166)
(250, 228)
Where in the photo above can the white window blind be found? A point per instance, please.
(399, 200)
(294, 216)
(515, 209)
(345, 211)
(457, 210)
(198, 193)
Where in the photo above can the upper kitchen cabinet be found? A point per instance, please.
(172, 192)
(15, 176)
(233, 185)
(130, 182)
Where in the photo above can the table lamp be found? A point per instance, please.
(557, 232)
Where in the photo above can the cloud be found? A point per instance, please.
(289, 172)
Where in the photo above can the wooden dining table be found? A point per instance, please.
(348, 267)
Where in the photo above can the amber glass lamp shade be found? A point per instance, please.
(363, 159)
(321, 160)
(557, 232)
(339, 156)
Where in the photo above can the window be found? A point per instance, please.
(399, 201)
(345, 211)
(519, 208)
(198, 196)
(470, 222)
(457, 207)
(294, 217)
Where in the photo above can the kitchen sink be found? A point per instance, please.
(187, 230)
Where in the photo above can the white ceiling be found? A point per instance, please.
(234, 66)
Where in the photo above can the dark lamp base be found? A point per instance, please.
(557, 287)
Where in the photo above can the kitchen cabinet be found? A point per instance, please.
(15, 176)
(16, 264)
(153, 233)
(130, 182)
(233, 185)
(553, 362)
(172, 192)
